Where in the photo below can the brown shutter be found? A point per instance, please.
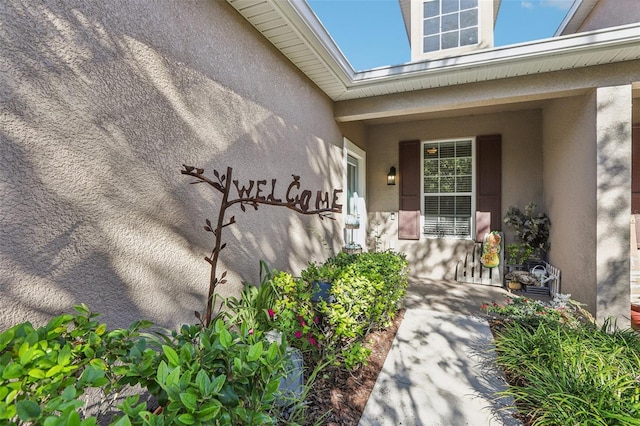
(489, 178)
(409, 181)
(635, 169)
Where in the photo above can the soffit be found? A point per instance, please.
(295, 30)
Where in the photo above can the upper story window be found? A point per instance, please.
(449, 24)
(448, 188)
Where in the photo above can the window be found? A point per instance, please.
(352, 181)
(449, 23)
(448, 188)
(355, 163)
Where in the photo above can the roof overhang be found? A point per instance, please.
(575, 17)
(295, 30)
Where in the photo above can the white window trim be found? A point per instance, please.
(440, 33)
(473, 188)
(351, 149)
(485, 33)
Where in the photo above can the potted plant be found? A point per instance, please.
(518, 255)
(531, 231)
(320, 277)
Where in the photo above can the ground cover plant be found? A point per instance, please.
(199, 375)
(563, 368)
(229, 372)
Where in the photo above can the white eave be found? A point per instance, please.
(295, 30)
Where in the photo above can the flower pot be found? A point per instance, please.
(322, 291)
(292, 385)
(635, 316)
(514, 285)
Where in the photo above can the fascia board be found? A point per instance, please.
(581, 43)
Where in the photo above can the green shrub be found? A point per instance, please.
(44, 371)
(200, 375)
(294, 314)
(215, 376)
(253, 307)
(368, 291)
(367, 288)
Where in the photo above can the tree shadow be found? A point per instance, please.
(101, 107)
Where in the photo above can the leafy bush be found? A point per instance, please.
(294, 314)
(44, 372)
(222, 374)
(199, 375)
(366, 291)
(365, 294)
(214, 375)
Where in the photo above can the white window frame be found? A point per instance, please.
(459, 30)
(351, 149)
(485, 32)
(473, 188)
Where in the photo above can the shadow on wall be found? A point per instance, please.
(435, 258)
(614, 205)
(97, 121)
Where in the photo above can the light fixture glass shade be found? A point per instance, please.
(391, 176)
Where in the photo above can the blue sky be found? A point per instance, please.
(371, 33)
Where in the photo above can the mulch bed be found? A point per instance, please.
(341, 395)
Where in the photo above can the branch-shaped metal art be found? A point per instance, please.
(299, 202)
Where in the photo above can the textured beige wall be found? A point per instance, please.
(101, 104)
(611, 13)
(570, 195)
(521, 180)
(613, 135)
(356, 132)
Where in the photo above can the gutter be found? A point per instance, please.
(583, 44)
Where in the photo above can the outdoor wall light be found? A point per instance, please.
(391, 176)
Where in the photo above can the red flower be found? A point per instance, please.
(313, 341)
(302, 323)
(298, 334)
(271, 313)
(316, 320)
(251, 331)
(484, 306)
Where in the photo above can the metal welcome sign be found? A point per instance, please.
(253, 193)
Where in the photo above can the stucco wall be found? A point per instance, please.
(610, 13)
(570, 196)
(356, 132)
(521, 180)
(102, 102)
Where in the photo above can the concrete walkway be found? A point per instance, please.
(441, 369)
